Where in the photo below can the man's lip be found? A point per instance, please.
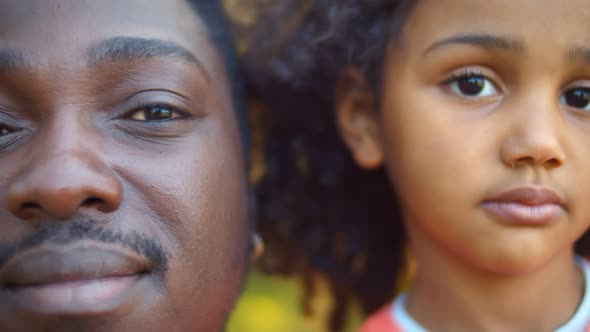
(59, 264)
(529, 196)
(89, 297)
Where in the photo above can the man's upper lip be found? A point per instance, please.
(528, 195)
(56, 264)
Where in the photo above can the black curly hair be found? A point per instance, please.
(318, 210)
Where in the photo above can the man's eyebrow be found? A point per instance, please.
(481, 40)
(12, 60)
(126, 49)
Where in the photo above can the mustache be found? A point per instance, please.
(64, 233)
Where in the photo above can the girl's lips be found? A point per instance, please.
(526, 206)
(517, 213)
(528, 196)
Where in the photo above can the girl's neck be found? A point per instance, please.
(449, 295)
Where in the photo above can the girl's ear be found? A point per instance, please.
(357, 120)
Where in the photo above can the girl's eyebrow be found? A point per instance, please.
(579, 54)
(486, 41)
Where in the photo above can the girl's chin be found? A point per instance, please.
(513, 264)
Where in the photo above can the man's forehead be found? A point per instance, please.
(46, 34)
(132, 11)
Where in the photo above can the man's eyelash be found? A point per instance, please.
(140, 107)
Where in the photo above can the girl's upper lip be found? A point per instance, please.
(528, 195)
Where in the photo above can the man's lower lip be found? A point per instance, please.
(520, 214)
(76, 298)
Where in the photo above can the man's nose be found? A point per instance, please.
(63, 179)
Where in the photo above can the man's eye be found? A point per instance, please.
(155, 113)
(577, 98)
(472, 86)
(5, 130)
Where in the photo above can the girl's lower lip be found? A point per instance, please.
(76, 298)
(521, 214)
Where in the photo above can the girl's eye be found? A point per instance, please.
(155, 113)
(578, 98)
(472, 86)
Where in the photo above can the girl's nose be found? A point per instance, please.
(535, 139)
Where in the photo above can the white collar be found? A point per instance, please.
(579, 322)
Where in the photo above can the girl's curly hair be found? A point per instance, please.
(318, 210)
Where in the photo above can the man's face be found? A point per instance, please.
(122, 187)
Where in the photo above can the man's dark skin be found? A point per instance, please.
(122, 179)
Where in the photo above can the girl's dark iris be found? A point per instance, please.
(579, 98)
(157, 113)
(471, 85)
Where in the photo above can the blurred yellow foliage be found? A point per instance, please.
(273, 304)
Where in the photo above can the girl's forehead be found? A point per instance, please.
(534, 23)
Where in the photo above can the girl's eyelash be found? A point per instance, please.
(463, 74)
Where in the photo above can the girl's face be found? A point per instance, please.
(485, 129)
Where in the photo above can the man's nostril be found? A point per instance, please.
(92, 201)
(30, 206)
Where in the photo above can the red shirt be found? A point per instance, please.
(382, 321)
